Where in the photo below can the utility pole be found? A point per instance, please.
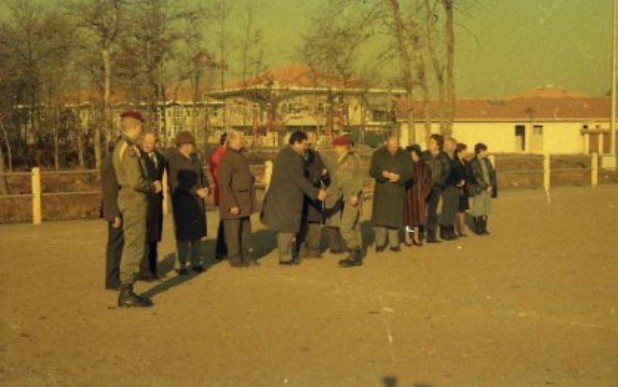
(614, 91)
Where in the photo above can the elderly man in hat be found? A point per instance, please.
(283, 204)
(135, 187)
(344, 200)
(189, 188)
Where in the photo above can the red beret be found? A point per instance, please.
(342, 140)
(133, 114)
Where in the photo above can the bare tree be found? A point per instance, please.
(99, 22)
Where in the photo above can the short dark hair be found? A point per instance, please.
(223, 139)
(478, 148)
(460, 148)
(416, 149)
(439, 139)
(296, 137)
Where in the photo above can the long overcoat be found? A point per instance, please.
(389, 198)
(314, 168)
(283, 204)
(154, 219)
(186, 176)
(236, 185)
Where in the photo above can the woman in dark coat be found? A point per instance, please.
(391, 168)
(189, 188)
(462, 166)
(417, 192)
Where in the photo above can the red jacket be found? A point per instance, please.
(213, 166)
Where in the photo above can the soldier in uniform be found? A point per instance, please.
(344, 200)
(189, 188)
(237, 201)
(133, 204)
(111, 213)
(155, 166)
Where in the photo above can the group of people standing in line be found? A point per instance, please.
(306, 194)
(411, 183)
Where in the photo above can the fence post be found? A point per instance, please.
(164, 187)
(594, 178)
(36, 196)
(546, 171)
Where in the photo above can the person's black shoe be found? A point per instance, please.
(148, 277)
(182, 271)
(336, 251)
(238, 264)
(353, 260)
(314, 254)
(114, 287)
(220, 257)
(128, 299)
(198, 269)
(396, 249)
(293, 262)
(254, 262)
(379, 249)
(484, 230)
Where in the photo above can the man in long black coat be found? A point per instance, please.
(189, 188)
(310, 232)
(391, 168)
(111, 213)
(283, 204)
(155, 166)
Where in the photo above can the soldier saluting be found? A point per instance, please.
(133, 204)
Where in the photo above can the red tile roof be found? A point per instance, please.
(539, 104)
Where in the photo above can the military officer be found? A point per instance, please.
(132, 202)
(344, 200)
(111, 213)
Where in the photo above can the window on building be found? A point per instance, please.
(537, 130)
(520, 137)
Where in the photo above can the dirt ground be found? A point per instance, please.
(534, 304)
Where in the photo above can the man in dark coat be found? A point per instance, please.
(283, 203)
(483, 186)
(451, 193)
(189, 188)
(391, 168)
(440, 165)
(111, 213)
(310, 233)
(155, 166)
(236, 201)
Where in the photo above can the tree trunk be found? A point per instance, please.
(450, 66)
(406, 65)
(437, 66)
(4, 189)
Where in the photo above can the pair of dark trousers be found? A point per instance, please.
(432, 212)
(450, 203)
(238, 239)
(149, 264)
(113, 253)
(221, 247)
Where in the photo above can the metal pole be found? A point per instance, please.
(614, 51)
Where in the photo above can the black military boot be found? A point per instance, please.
(478, 225)
(451, 233)
(445, 233)
(485, 230)
(354, 259)
(128, 298)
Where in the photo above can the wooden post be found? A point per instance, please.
(165, 188)
(546, 171)
(594, 178)
(36, 196)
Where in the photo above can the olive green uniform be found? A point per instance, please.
(132, 202)
(346, 182)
